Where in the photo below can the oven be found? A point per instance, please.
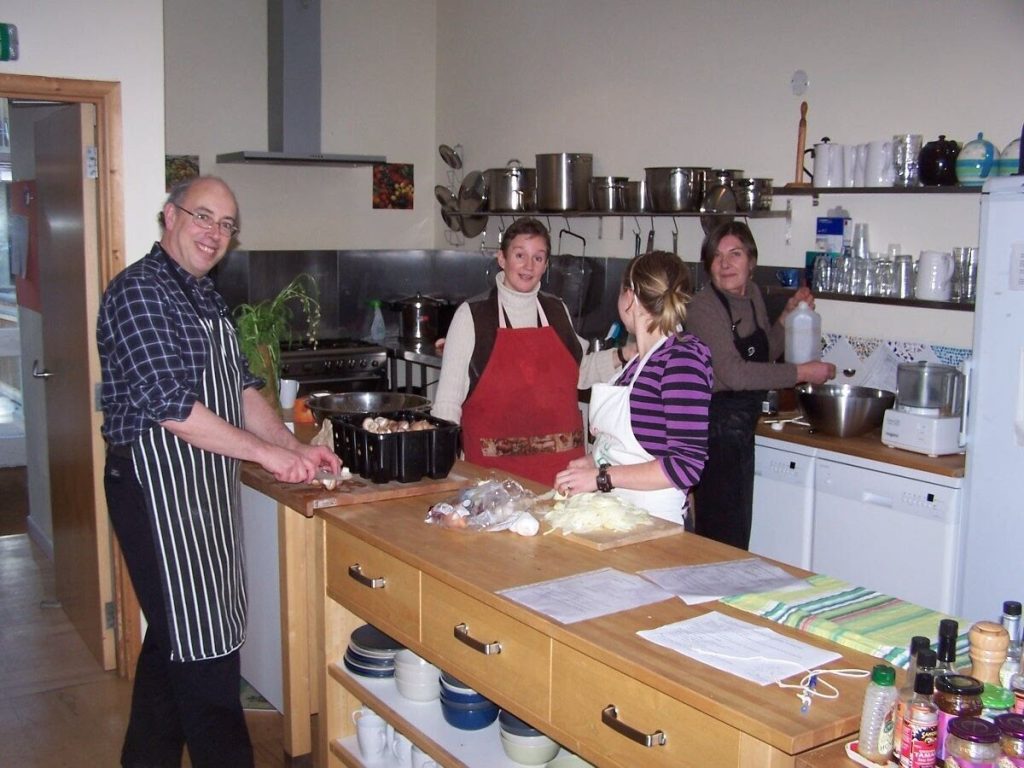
(335, 365)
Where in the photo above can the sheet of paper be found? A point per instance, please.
(587, 595)
(757, 654)
(703, 583)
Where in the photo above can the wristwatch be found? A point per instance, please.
(604, 480)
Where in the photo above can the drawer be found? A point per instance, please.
(376, 586)
(581, 689)
(519, 672)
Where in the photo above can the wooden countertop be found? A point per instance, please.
(481, 565)
(867, 446)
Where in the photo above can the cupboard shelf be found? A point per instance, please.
(954, 306)
(816, 192)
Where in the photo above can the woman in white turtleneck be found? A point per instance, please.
(512, 365)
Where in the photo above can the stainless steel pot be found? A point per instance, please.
(563, 181)
(675, 189)
(421, 317)
(608, 194)
(512, 188)
(931, 387)
(636, 196)
(752, 194)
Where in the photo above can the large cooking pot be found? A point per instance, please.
(608, 194)
(421, 317)
(512, 188)
(563, 181)
(675, 189)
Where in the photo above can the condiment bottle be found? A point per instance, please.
(989, 642)
(920, 726)
(972, 743)
(1011, 728)
(922, 658)
(1011, 620)
(946, 654)
(995, 701)
(1017, 686)
(876, 719)
(955, 696)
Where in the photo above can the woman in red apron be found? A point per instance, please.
(651, 420)
(512, 365)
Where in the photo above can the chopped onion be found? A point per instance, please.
(588, 512)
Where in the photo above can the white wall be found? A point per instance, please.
(671, 82)
(378, 98)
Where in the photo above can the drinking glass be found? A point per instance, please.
(903, 277)
(886, 278)
(906, 148)
(860, 241)
(965, 274)
(822, 273)
(843, 274)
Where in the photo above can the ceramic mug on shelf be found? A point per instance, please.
(860, 167)
(287, 391)
(421, 759)
(400, 747)
(371, 734)
(878, 170)
(850, 165)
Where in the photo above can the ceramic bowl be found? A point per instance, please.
(417, 677)
(535, 738)
(416, 691)
(480, 702)
(511, 724)
(539, 752)
(468, 719)
(569, 761)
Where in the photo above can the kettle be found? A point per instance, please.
(934, 273)
(937, 162)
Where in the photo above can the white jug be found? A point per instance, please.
(934, 270)
(828, 165)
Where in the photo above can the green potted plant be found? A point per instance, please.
(263, 326)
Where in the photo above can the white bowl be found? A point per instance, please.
(528, 741)
(418, 674)
(569, 761)
(529, 754)
(418, 691)
(407, 657)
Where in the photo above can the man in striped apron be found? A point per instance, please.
(181, 409)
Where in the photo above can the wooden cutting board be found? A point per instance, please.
(602, 540)
(307, 499)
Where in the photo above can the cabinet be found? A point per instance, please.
(440, 593)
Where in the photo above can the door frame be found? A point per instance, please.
(105, 96)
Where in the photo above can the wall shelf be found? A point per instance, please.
(816, 192)
(953, 306)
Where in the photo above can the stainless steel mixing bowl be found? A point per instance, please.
(377, 403)
(843, 410)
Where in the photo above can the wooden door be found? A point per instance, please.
(69, 293)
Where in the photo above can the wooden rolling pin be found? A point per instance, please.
(801, 145)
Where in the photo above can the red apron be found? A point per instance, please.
(523, 417)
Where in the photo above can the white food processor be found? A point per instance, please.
(928, 415)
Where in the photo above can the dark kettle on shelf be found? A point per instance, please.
(937, 162)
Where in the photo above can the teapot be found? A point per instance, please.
(934, 273)
(937, 162)
(976, 161)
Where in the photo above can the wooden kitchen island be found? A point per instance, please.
(435, 591)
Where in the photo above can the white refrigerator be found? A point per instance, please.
(993, 519)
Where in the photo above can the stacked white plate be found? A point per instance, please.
(371, 653)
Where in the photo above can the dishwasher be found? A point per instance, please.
(783, 511)
(891, 529)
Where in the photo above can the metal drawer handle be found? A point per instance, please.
(610, 717)
(487, 649)
(356, 572)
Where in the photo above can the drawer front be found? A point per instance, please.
(581, 689)
(381, 589)
(519, 671)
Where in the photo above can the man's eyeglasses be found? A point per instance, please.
(205, 221)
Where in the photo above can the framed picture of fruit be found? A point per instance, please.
(178, 168)
(393, 186)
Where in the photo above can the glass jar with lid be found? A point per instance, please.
(972, 742)
(1011, 730)
(995, 700)
(955, 696)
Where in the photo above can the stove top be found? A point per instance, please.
(327, 345)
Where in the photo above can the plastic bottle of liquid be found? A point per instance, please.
(920, 726)
(377, 329)
(876, 719)
(1011, 620)
(922, 658)
(803, 334)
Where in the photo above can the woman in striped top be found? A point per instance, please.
(651, 421)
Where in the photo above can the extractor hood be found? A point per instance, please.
(293, 92)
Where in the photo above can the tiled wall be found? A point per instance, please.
(872, 362)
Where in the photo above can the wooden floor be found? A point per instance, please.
(57, 706)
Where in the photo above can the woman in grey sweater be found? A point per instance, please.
(729, 315)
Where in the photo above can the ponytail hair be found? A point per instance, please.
(661, 282)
